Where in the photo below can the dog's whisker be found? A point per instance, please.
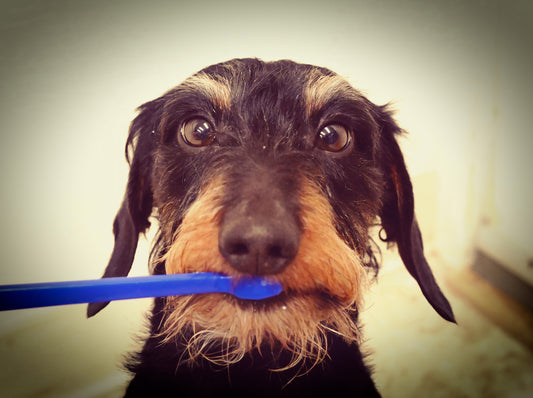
(272, 169)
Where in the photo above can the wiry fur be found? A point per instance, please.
(322, 290)
(266, 175)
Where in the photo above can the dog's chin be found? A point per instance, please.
(222, 329)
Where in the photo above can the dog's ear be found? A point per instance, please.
(132, 217)
(399, 221)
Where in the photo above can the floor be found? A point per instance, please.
(417, 354)
(56, 352)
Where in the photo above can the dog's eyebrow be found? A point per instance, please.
(216, 91)
(323, 88)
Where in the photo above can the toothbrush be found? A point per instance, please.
(33, 295)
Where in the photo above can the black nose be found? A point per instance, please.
(258, 245)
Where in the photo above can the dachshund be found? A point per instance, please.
(276, 169)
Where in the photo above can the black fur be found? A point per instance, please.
(266, 128)
(344, 373)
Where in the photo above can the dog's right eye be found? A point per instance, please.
(197, 132)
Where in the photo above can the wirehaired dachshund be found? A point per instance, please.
(275, 169)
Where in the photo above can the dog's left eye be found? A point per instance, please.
(334, 138)
(197, 132)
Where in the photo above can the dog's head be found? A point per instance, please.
(275, 169)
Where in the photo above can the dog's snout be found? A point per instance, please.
(259, 245)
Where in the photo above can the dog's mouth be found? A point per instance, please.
(286, 298)
(320, 296)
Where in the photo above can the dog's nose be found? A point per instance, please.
(258, 245)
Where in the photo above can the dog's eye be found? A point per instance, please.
(197, 132)
(334, 138)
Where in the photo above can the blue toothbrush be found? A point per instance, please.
(13, 297)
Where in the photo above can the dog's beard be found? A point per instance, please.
(323, 289)
(223, 329)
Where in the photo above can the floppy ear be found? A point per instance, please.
(399, 221)
(132, 217)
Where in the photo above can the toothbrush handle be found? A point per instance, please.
(33, 295)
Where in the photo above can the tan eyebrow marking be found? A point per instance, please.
(322, 88)
(217, 91)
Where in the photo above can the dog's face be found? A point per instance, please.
(274, 169)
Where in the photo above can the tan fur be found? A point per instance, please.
(216, 91)
(322, 286)
(322, 88)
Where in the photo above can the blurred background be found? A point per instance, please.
(457, 72)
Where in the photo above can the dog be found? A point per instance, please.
(276, 169)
